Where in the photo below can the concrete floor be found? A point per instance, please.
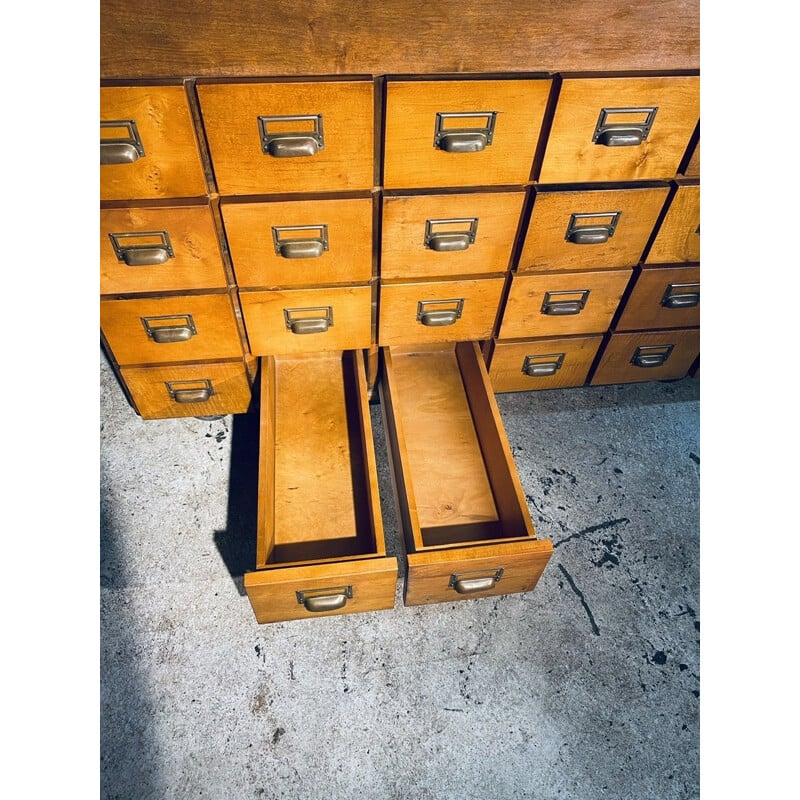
(585, 688)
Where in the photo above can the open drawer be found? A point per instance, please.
(460, 503)
(320, 547)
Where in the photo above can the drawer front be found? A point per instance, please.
(438, 311)
(462, 133)
(159, 250)
(561, 304)
(590, 229)
(621, 129)
(147, 144)
(467, 573)
(298, 137)
(678, 237)
(188, 390)
(651, 356)
(184, 328)
(542, 363)
(298, 243)
(663, 298)
(448, 235)
(349, 587)
(308, 320)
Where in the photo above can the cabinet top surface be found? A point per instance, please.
(154, 39)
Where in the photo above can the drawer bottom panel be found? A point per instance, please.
(542, 363)
(647, 356)
(188, 390)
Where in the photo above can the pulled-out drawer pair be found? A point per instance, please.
(320, 543)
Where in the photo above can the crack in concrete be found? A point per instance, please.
(593, 528)
(579, 593)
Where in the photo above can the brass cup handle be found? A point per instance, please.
(621, 137)
(463, 142)
(118, 153)
(292, 146)
(169, 334)
(541, 369)
(308, 248)
(471, 583)
(562, 308)
(310, 325)
(438, 319)
(191, 395)
(650, 360)
(449, 242)
(145, 256)
(589, 236)
(688, 300)
(318, 600)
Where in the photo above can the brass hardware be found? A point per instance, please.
(436, 317)
(297, 321)
(561, 308)
(626, 133)
(197, 391)
(121, 149)
(471, 582)
(176, 328)
(291, 144)
(147, 254)
(676, 295)
(316, 600)
(542, 366)
(652, 355)
(470, 139)
(301, 246)
(588, 228)
(448, 241)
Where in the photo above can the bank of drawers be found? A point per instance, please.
(465, 235)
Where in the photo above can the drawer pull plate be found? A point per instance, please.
(146, 254)
(300, 246)
(565, 307)
(542, 366)
(469, 139)
(308, 320)
(199, 391)
(589, 228)
(449, 241)
(436, 314)
(648, 356)
(625, 133)
(316, 600)
(680, 295)
(120, 149)
(471, 582)
(170, 328)
(291, 144)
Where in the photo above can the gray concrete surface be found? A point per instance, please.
(585, 688)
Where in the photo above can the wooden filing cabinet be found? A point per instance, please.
(338, 201)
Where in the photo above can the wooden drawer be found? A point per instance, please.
(562, 304)
(438, 311)
(649, 356)
(159, 250)
(542, 363)
(292, 321)
(320, 547)
(160, 330)
(303, 242)
(148, 147)
(289, 137)
(462, 133)
(678, 237)
(621, 129)
(460, 504)
(590, 229)
(430, 236)
(666, 297)
(188, 390)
